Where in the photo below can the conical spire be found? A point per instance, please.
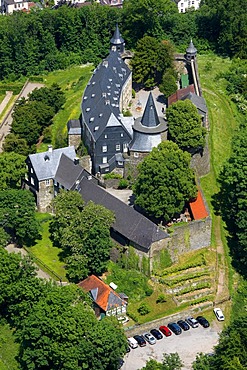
(117, 40)
(150, 117)
(191, 48)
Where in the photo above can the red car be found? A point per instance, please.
(165, 331)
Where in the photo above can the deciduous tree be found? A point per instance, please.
(12, 170)
(185, 126)
(165, 181)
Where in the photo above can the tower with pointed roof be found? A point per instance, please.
(117, 42)
(191, 51)
(148, 132)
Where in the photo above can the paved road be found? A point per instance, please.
(5, 100)
(187, 345)
(5, 126)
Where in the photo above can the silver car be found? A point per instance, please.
(219, 314)
(149, 338)
(192, 322)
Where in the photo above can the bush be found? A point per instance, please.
(112, 175)
(123, 184)
(127, 113)
(161, 298)
(143, 309)
(133, 94)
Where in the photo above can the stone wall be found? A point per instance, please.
(194, 235)
(131, 163)
(45, 196)
(86, 163)
(201, 162)
(74, 140)
(126, 95)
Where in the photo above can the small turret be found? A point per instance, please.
(117, 42)
(191, 51)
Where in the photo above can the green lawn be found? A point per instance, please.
(73, 82)
(44, 250)
(8, 348)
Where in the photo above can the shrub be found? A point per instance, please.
(133, 94)
(123, 184)
(112, 175)
(127, 113)
(161, 298)
(143, 309)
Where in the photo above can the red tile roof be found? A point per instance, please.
(179, 94)
(198, 208)
(103, 294)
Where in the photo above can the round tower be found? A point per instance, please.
(191, 51)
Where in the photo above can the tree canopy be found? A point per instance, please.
(171, 361)
(185, 126)
(151, 59)
(83, 232)
(17, 210)
(232, 198)
(165, 181)
(12, 170)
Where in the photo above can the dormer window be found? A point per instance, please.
(110, 79)
(87, 109)
(93, 83)
(104, 95)
(101, 114)
(93, 95)
(85, 98)
(46, 158)
(96, 128)
(91, 119)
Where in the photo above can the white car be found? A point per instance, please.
(132, 342)
(149, 338)
(219, 314)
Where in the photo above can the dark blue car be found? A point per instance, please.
(175, 328)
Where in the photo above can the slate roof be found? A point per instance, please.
(102, 94)
(147, 129)
(68, 172)
(179, 94)
(103, 295)
(198, 101)
(117, 37)
(74, 127)
(191, 48)
(45, 164)
(129, 223)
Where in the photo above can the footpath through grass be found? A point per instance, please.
(224, 119)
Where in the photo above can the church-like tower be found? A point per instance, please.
(190, 51)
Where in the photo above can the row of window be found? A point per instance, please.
(106, 136)
(118, 148)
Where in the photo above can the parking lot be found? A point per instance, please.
(187, 345)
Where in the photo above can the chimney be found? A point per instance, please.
(50, 148)
(76, 161)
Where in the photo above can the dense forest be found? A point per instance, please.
(51, 39)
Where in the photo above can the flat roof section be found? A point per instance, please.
(198, 207)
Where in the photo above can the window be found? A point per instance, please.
(104, 160)
(104, 148)
(118, 147)
(31, 169)
(32, 181)
(122, 135)
(125, 147)
(136, 155)
(47, 182)
(106, 136)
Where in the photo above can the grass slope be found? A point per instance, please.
(9, 348)
(45, 251)
(73, 82)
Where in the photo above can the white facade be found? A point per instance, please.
(184, 5)
(10, 6)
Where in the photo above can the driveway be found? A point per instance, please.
(187, 345)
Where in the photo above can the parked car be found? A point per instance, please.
(192, 322)
(132, 342)
(183, 324)
(202, 321)
(149, 338)
(165, 331)
(140, 340)
(156, 333)
(219, 314)
(175, 328)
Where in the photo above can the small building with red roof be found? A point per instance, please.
(198, 207)
(106, 300)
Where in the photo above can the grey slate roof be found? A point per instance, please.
(197, 100)
(102, 94)
(191, 48)
(68, 172)
(147, 129)
(129, 223)
(117, 37)
(45, 164)
(74, 127)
